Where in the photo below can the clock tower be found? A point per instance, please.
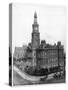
(35, 33)
(35, 39)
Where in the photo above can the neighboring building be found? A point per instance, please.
(20, 52)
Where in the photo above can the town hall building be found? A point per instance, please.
(42, 54)
(39, 53)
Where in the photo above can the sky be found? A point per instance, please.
(51, 20)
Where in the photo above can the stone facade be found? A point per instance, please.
(39, 53)
(19, 52)
(44, 55)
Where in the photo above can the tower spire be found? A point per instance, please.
(35, 39)
(35, 17)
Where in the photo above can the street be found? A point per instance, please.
(21, 78)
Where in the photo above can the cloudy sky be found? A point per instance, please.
(51, 20)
